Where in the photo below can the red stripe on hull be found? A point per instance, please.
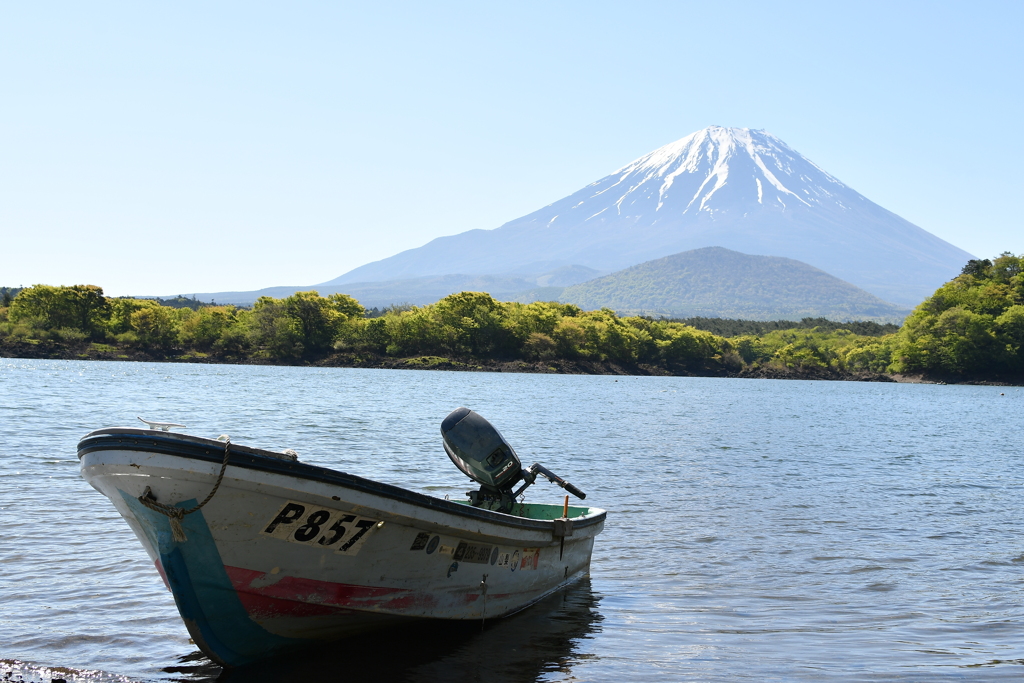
(294, 596)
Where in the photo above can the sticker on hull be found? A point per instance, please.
(420, 542)
(468, 552)
(530, 559)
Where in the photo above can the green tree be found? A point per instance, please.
(154, 327)
(203, 327)
(121, 310)
(79, 307)
(473, 323)
(688, 347)
(376, 336)
(571, 339)
(539, 346)
(316, 319)
(1010, 326)
(979, 268)
(969, 326)
(273, 331)
(346, 306)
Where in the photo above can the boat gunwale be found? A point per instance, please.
(211, 450)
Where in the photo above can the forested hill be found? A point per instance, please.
(718, 282)
(970, 329)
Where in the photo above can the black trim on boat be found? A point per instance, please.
(198, 448)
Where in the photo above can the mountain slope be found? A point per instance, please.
(418, 291)
(717, 282)
(731, 187)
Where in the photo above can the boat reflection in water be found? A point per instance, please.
(522, 647)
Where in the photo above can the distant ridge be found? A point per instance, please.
(419, 291)
(711, 282)
(718, 282)
(737, 188)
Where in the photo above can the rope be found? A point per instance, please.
(176, 514)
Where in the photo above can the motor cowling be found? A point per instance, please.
(480, 451)
(483, 455)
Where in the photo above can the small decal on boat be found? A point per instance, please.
(514, 564)
(420, 542)
(477, 554)
(446, 550)
(531, 557)
(317, 526)
(453, 568)
(494, 555)
(504, 559)
(432, 546)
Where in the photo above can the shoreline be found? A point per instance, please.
(53, 350)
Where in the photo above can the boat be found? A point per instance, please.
(265, 554)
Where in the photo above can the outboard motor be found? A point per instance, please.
(483, 455)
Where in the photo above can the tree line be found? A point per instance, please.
(728, 327)
(973, 326)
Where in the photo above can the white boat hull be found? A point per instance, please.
(287, 554)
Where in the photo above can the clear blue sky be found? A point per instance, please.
(155, 148)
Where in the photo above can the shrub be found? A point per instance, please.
(70, 335)
(204, 327)
(539, 346)
(80, 307)
(154, 326)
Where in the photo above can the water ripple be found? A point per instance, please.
(758, 530)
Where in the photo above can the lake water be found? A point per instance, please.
(757, 530)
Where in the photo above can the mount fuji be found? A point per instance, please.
(738, 188)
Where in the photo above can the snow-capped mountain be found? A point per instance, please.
(737, 188)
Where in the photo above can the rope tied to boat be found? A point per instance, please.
(175, 513)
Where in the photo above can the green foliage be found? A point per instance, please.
(717, 281)
(539, 346)
(121, 311)
(870, 355)
(687, 346)
(19, 331)
(465, 325)
(70, 335)
(153, 327)
(313, 319)
(817, 348)
(80, 307)
(375, 334)
(972, 325)
(473, 324)
(202, 328)
(272, 331)
(727, 327)
(183, 302)
(346, 307)
(305, 321)
(7, 295)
